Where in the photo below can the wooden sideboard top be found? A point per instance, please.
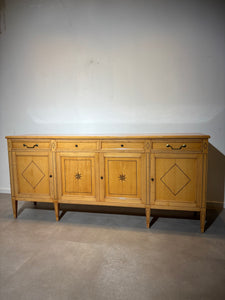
(111, 136)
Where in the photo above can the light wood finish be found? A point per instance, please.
(117, 137)
(202, 219)
(56, 207)
(124, 178)
(14, 206)
(147, 171)
(77, 145)
(171, 145)
(32, 174)
(77, 176)
(122, 145)
(147, 213)
(176, 180)
(30, 144)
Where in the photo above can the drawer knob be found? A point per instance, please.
(152, 179)
(50, 176)
(76, 145)
(36, 145)
(101, 177)
(182, 146)
(122, 145)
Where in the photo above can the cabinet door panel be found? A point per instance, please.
(124, 178)
(76, 176)
(176, 180)
(31, 174)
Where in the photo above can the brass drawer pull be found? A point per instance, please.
(182, 146)
(36, 145)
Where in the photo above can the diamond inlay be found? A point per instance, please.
(169, 179)
(33, 174)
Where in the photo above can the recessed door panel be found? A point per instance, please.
(124, 180)
(31, 173)
(76, 175)
(123, 176)
(176, 180)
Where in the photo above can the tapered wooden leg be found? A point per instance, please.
(202, 219)
(147, 213)
(56, 207)
(14, 207)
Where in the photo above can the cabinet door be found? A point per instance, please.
(123, 178)
(32, 172)
(76, 177)
(176, 180)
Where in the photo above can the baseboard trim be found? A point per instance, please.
(5, 191)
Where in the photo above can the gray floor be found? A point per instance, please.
(95, 255)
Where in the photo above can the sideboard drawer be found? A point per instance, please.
(171, 145)
(122, 145)
(77, 145)
(30, 144)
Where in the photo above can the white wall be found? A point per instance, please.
(125, 66)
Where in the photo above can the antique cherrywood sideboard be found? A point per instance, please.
(147, 171)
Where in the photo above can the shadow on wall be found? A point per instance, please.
(216, 178)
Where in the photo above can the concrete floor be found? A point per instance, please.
(95, 255)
